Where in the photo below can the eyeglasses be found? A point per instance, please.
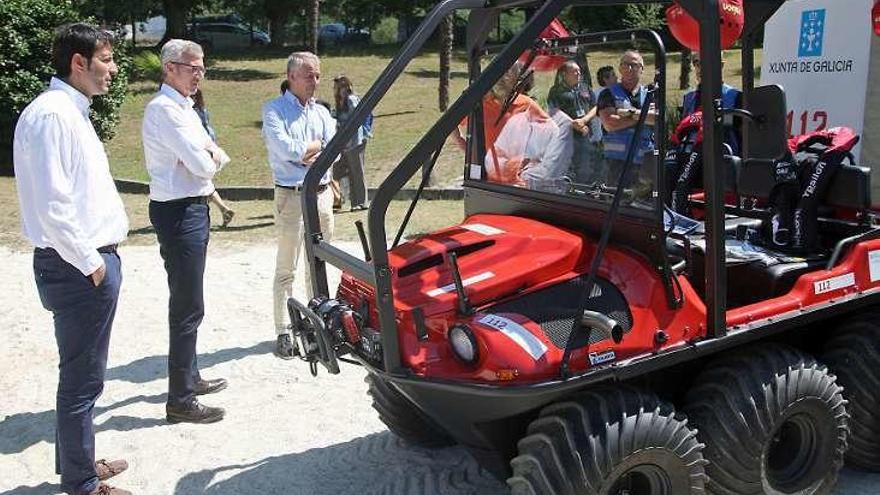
(196, 69)
(632, 65)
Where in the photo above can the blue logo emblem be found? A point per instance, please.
(812, 33)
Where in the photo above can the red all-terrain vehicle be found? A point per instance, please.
(579, 338)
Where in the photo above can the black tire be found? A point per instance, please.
(403, 418)
(854, 357)
(773, 420)
(607, 442)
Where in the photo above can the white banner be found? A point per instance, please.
(819, 52)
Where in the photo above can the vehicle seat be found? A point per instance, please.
(753, 281)
(850, 187)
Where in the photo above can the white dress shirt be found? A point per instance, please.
(288, 128)
(176, 148)
(68, 199)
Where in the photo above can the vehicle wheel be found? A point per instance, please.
(611, 441)
(773, 421)
(854, 357)
(403, 418)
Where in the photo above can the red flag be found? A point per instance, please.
(544, 60)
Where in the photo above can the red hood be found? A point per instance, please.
(492, 265)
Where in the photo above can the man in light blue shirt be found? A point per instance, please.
(296, 129)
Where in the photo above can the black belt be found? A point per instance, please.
(321, 187)
(108, 249)
(193, 200)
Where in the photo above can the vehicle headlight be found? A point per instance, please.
(463, 343)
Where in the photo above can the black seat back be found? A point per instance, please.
(850, 186)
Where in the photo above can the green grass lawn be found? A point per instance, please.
(238, 84)
(237, 87)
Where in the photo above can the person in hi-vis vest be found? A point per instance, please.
(619, 106)
(730, 98)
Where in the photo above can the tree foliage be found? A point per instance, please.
(118, 12)
(26, 65)
(647, 16)
(357, 13)
(585, 20)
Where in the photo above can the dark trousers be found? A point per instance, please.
(183, 230)
(83, 317)
(352, 163)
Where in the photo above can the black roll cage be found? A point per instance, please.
(482, 15)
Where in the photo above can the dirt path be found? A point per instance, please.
(285, 432)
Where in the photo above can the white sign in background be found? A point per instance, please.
(819, 52)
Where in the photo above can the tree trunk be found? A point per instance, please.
(276, 28)
(446, 34)
(278, 12)
(176, 12)
(684, 78)
(314, 19)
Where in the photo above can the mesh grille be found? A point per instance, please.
(554, 309)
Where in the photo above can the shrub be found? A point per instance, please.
(105, 109)
(147, 65)
(26, 66)
(648, 16)
(385, 32)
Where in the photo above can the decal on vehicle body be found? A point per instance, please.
(834, 283)
(439, 291)
(601, 357)
(874, 264)
(517, 333)
(482, 228)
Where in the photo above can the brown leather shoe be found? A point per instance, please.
(108, 469)
(194, 412)
(105, 489)
(204, 387)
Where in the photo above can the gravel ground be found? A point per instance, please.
(285, 432)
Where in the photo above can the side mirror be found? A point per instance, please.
(767, 135)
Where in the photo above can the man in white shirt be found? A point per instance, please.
(182, 159)
(295, 129)
(74, 217)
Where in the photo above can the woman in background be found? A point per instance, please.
(351, 163)
(199, 106)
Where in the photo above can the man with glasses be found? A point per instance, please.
(182, 159)
(619, 106)
(73, 216)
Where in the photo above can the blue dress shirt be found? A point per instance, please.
(288, 128)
